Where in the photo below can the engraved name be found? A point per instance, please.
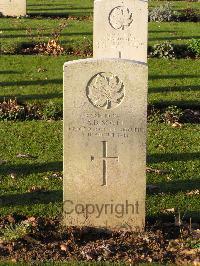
(104, 123)
(123, 132)
(116, 40)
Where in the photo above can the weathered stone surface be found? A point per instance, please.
(105, 143)
(13, 8)
(120, 29)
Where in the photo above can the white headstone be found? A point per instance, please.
(121, 29)
(13, 8)
(105, 104)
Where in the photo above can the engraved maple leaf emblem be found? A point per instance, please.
(105, 91)
(120, 17)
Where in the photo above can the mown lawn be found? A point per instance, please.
(27, 31)
(174, 82)
(176, 151)
(44, 141)
(38, 79)
(175, 32)
(85, 8)
(173, 150)
(16, 33)
(60, 7)
(33, 186)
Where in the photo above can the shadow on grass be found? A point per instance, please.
(161, 31)
(155, 77)
(31, 198)
(180, 186)
(31, 168)
(21, 98)
(65, 14)
(174, 88)
(173, 187)
(186, 104)
(7, 72)
(16, 29)
(175, 38)
(160, 218)
(63, 34)
(67, 8)
(31, 82)
(64, 10)
(49, 4)
(171, 157)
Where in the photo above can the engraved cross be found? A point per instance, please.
(105, 158)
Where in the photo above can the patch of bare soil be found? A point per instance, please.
(47, 239)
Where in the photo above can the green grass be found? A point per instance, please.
(84, 8)
(20, 78)
(60, 7)
(174, 82)
(175, 150)
(17, 32)
(178, 33)
(43, 140)
(171, 82)
(40, 30)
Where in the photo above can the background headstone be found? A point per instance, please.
(13, 8)
(121, 29)
(105, 143)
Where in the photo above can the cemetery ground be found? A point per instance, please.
(31, 142)
(84, 8)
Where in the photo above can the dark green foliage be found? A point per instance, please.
(14, 232)
(194, 47)
(52, 111)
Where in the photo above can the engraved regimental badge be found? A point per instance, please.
(105, 91)
(120, 18)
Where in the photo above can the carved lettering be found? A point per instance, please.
(92, 130)
(104, 123)
(118, 42)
